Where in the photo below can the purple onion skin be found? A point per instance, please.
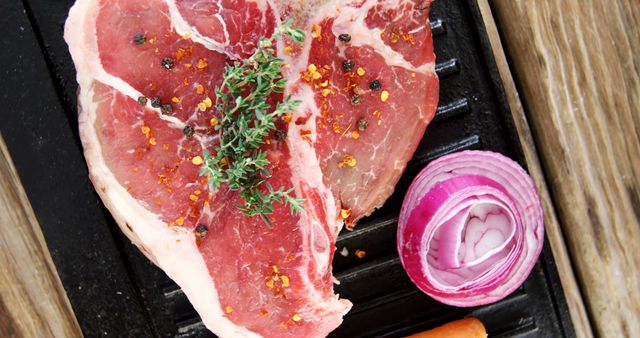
(471, 228)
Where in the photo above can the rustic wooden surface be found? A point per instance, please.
(578, 69)
(33, 302)
(574, 299)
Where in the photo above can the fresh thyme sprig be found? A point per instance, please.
(246, 120)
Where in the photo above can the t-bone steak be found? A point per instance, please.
(366, 101)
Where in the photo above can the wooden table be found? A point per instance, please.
(571, 71)
(578, 72)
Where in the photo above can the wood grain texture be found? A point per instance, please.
(575, 303)
(33, 302)
(578, 69)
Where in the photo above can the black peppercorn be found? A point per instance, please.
(142, 101)
(139, 39)
(375, 85)
(348, 65)
(188, 131)
(166, 109)
(280, 135)
(167, 63)
(201, 230)
(356, 99)
(155, 102)
(344, 37)
(362, 125)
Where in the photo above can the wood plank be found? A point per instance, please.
(572, 294)
(578, 69)
(33, 302)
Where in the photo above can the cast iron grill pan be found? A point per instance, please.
(115, 291)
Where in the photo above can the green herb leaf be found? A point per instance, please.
(246, 120)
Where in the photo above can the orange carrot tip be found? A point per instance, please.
(463, 328)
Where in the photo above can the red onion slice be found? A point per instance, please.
(471, 228)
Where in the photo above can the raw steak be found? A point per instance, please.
(343, 154)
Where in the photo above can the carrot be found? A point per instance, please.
(463, 328)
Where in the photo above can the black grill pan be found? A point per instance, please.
(115, 291)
